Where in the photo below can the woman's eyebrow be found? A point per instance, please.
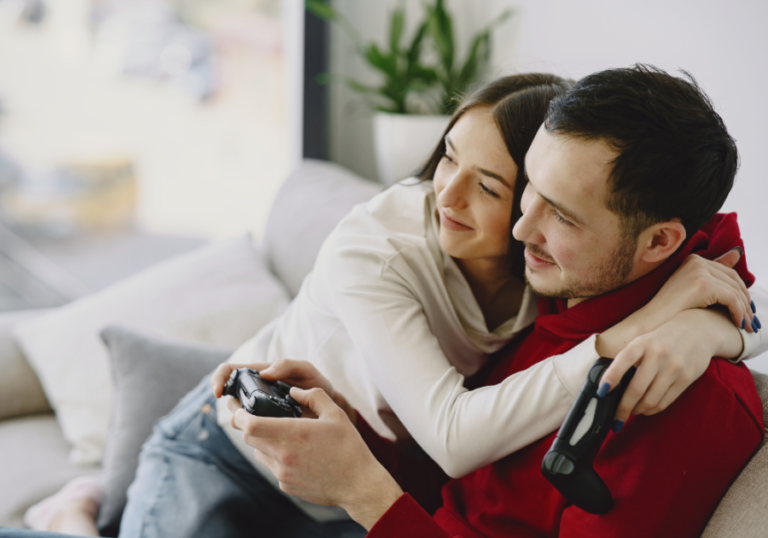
(492, 175)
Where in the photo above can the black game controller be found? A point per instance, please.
(261, 397)
(568, 463)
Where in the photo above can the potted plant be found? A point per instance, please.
(422, 82)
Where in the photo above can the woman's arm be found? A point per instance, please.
(464, 430)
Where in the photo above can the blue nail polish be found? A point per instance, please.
(741, 250)
(744, 323)
(603, 390)
(754, 308)
(617, 426)
(754, 327)
(757, 322)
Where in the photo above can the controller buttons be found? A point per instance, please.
(283, 386)
(596, 373)
(557, 463)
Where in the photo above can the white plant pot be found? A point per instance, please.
(403, 142)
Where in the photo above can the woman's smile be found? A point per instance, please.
(453, 224)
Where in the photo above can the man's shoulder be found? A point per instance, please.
(734, 385)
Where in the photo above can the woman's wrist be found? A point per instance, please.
(610, 342)
(714, 326)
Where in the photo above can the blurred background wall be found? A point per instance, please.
(723, 44)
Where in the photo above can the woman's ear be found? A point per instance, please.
(660, 241)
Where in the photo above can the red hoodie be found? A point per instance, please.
(666, 472)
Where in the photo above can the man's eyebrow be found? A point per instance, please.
(492, 175)
(563, 211)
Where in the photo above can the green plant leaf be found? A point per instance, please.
(385, 64)
(321, 10)
(414, 51)
(396, 28)
(477, 60)
(361, 88)
(441, 30)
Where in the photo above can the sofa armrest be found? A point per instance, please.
(743, 511)
(20, 389)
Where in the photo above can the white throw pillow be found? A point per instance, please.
(220, 294)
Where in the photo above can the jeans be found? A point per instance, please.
(192, 482)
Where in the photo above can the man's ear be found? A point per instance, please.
(660, 241)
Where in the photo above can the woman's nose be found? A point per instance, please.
(454, 192)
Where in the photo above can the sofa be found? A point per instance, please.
(36, 458)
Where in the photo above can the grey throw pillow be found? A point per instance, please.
(151, 376)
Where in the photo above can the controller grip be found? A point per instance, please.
(586, 490)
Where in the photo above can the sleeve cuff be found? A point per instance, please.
(406, 519)
(573, 366)
(752, 342)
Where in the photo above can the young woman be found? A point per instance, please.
(409, 296)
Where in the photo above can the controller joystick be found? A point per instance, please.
(261, 397)
(568, 464)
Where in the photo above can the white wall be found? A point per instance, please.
(723, 44)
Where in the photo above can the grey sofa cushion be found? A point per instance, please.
(20, 389)
(34, 464)
(151, 376)
(314, 198)
(743, 512)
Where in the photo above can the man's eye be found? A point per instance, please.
(560, 218)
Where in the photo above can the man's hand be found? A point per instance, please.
(324, 461)
(301, 374)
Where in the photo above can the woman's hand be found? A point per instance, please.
(700, 283)
(324, 461)
(669, 359)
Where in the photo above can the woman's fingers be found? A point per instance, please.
(672, 394)
(633, 394)
(626, 359)
(730, 279)
(736, 302)
(730, 258)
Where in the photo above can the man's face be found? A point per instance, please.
(574, 244)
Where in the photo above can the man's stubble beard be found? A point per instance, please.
(601, 279)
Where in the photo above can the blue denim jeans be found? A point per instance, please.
(192, 482)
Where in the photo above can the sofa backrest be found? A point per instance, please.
(743, 511)
(313, 199)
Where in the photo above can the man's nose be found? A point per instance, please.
(525, 229)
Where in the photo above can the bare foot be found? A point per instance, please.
(78, 518)
(72, 510)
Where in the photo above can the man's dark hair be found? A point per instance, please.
(675, 156)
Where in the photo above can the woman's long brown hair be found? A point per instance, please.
(518, 104)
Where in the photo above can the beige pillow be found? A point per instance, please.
(221, 294)
(20, 390)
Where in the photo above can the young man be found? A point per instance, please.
(625, 178)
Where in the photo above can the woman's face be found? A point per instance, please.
(474, 184)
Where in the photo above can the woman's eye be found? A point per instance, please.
(488, 192)
(447, 158)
